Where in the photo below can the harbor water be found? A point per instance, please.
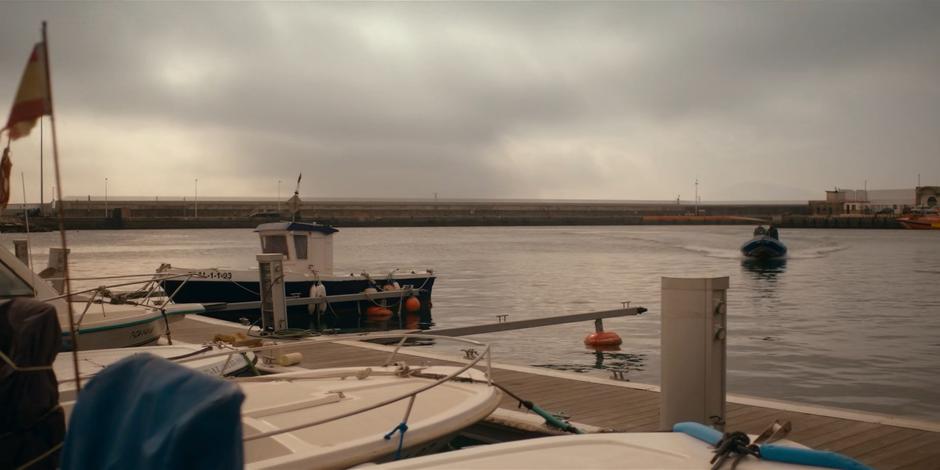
(850, 319)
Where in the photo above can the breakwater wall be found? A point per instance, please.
(89, 215)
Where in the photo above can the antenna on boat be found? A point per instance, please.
(294, 202)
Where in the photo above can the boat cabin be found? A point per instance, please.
(305, 246)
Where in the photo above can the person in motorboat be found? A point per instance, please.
(759, 231)
(772, 232)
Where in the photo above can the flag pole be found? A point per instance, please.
(42, 211)
(61, 210)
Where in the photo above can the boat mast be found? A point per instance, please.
(61, 211)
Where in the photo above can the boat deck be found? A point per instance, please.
(881, 441)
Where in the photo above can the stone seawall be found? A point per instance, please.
(89, 215)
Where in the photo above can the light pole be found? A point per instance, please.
(278, 196)
(196, 199)
(106, 198)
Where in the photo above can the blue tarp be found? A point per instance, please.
(145, 412)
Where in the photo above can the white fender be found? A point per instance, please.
(317, 290)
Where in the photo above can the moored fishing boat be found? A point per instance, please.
(308, 272)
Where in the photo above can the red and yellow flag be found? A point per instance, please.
(32, 98)
(31, 103)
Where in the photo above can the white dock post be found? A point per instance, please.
(21, 248)
(693, 343)
(55, 268)
(273, 307)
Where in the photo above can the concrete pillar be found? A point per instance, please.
(273, 307)
(56, 268)
(693, 343)
(21, 248)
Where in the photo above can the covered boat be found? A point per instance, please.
(690, 446)
(308, 272)
(98, 325)
(325, 418)
(764, 247)
(90, 363)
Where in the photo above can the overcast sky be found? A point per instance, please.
(758, 100)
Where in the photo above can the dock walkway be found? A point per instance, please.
(881, 441)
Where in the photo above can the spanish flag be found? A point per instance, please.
(32, 98)
(31, 103)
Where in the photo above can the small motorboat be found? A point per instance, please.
(764, 247)
(98, 325)
(921, 219)
(308, 272)
(324, 418)
(92, 362)
(691, 445)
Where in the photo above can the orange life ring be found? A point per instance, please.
(377, 313)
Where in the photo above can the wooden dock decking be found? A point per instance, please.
(883, 442)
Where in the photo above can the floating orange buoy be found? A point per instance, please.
(378, 313)
(412, 304)
(603, 339)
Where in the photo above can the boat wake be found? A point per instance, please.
(722, 253)
(815, 253)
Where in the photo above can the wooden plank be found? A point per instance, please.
(628, 409)
(892, 457)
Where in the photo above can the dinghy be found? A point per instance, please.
(92, 362)
(690, 446)
(764, 247)
(324, 418)
(98, 325)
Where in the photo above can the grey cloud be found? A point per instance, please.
(430, 92)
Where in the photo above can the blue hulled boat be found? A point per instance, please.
(308, 272)
(764, 247)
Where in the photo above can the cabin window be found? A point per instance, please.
(300, 246)
(275, 244)
(11, 285)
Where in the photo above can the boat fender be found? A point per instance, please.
(812, 457)
(290, 359)
(317, 290)
(412, 304)
(393, 286)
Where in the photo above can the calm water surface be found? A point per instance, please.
(851, 319)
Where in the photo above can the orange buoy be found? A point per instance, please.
(378, 313)
(603, 339)
(412, 304)
(412, 320)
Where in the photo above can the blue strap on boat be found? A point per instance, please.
(818, 458)
(401, 428)
(699, 431)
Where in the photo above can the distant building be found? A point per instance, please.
(875, 201)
